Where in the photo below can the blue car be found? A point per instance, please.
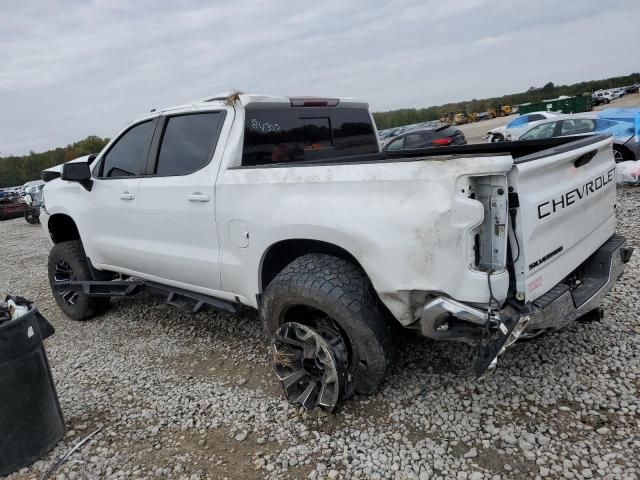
(624, 127)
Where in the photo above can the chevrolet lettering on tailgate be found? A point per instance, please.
(567, 199)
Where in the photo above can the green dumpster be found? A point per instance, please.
(577, 104)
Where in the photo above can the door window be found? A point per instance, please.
(188, 143)
(540, 131)
(577, 126)
(128, 156)
(397, 144)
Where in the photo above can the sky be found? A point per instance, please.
(69, 69)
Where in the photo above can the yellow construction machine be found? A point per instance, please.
(458, 118)
(500, 111)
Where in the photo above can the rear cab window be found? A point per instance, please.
(282, 134)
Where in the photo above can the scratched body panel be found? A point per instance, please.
(408, 223)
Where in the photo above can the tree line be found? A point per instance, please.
(17, 170)
(407, 116)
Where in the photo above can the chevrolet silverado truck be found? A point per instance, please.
(287, 205)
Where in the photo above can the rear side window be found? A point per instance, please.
(397, 144)
(413, 140)
(577, 126)
(128, 155)
(188, 142)
(298, 134)
(446, 132)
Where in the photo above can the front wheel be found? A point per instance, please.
(335, 300)
(497, 137)
(31, 216)
(68, 262)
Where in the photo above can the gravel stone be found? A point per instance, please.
(166, 386)
(241, 436)
(473, 453)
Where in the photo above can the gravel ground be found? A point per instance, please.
(192, 397)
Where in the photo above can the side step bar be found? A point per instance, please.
(191, 302)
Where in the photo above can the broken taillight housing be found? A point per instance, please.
(489, 239)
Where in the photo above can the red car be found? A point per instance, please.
(12, 208)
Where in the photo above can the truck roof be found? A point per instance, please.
(245, 99)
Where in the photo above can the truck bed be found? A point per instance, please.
(518, 150)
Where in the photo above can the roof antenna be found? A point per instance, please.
(152, 110)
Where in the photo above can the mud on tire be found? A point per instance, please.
(67, 261)
(342, 291)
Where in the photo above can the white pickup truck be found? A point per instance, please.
(286, 205)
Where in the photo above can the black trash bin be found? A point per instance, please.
(31, 421)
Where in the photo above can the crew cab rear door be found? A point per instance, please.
(176, 211)
(564, 200)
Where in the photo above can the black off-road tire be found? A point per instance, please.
(72, 254)
(341, 290)
(621, 154)
(31, 217)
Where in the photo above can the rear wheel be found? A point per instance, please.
(618, 155)
(68, 262)
(335, 300)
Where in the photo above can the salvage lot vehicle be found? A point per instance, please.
(11, 206)
(515, 127)
(603, 96)
(33, 196)
(625, 146)
(436, 136)
(287, 206)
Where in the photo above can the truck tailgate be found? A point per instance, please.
(567, 198)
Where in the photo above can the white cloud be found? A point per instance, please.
(70, 69)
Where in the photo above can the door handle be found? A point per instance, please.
(198, 197)
(126, 196)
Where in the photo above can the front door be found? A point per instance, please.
(112, 225)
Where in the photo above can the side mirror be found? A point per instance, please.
(77, 172)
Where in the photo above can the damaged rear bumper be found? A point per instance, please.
(447, 319)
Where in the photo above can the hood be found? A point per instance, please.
(502, 130)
